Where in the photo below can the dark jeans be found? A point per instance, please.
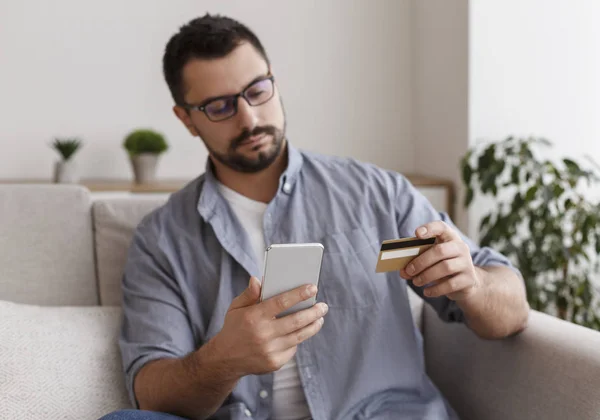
(139, 415)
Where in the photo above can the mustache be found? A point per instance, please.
(246, 134)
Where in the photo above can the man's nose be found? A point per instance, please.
(246, 115)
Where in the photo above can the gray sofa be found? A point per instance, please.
(61, 257)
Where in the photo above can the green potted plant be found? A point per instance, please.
(65, 170)
(144, 147)
(543, 221)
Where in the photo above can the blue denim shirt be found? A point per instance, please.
(191, 257)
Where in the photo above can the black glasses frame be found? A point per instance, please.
(234, 98)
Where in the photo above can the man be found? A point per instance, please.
(197, 342)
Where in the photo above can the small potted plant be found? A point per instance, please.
(144, 147)
(65, 170)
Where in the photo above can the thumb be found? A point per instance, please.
(249, 296)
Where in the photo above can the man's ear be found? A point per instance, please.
(184, 117)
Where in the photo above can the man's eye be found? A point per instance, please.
(220, 107)
(255, 93)
(260, 90)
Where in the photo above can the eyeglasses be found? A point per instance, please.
(224, 107)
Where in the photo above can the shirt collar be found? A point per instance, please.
(210, 195)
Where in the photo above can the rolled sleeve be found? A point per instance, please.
(414, 210)
(155, 324)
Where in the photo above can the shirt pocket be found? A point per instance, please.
(348, 268)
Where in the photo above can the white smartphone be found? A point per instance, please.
(288, 266)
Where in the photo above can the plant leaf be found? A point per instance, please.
(571, 166)
(517, 202)
(467, 173)
(514, 175)
(485, 221)
(568, 204)
(558, 190)
(469, 197)
(531, 192)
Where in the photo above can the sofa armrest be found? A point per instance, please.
(549, 371)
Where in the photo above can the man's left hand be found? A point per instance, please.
(446, 268)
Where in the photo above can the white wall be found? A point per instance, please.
(440, 90)
(535, 70)
(93, 69)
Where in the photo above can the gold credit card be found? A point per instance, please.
(395, 254)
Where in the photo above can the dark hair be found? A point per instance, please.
(206, 37)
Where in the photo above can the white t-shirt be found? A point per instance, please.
(289, 402)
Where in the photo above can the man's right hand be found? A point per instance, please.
(254, 341)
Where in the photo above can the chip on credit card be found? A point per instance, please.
(395, 254)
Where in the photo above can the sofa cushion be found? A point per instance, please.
(114, 223)
(59, 362)
(46, 245)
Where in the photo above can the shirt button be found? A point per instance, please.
(287, 188)
(248, 413)
(263, 394)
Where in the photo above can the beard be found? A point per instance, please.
(241, 163)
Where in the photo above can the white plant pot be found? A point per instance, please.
(65, 172)
(144, 167)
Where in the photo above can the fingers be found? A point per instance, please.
(249, 296)
(435, 254)
(441, 270)
(280, 336)
(277, 304)
(450, 287)
(295, 338)
(438, 229)
(300, 319)
(276, 360)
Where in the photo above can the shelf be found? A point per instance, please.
(114, 185)
(167, 186)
